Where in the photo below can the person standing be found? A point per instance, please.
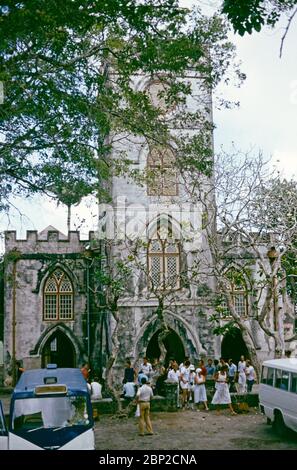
(232, 375)
(200, 390)
(250, 376)
(173, 377)
(85, 370)
(143, 398)
(241, 375)
(222, 395)
(129, 372)
(210, 369)
(184, 382)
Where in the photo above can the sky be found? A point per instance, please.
(265, 121)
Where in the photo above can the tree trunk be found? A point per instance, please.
(111, 361)
(246, 336)
(161, 337)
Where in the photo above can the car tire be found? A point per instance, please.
(279, 425)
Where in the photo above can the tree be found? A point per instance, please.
(68, 92)
(257, 228)
(252, 15)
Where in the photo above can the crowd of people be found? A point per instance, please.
(226, 378)
(142, 382)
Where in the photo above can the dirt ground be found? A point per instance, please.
(191, 430)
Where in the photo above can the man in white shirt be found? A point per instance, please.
(143, 398)
(129, 390)
(146, 367)
(96, 389)
(173, 374)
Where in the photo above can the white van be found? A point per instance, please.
(278, 393)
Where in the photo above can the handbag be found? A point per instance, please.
(137, 412)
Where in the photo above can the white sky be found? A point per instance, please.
(266, 120)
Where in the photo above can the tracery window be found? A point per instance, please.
(58, 297)
(163, 262)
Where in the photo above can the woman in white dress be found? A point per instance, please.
(222, 394)
(241, 375)
(200, 390)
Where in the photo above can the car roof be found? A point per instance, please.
(289, 364)
(71, 377)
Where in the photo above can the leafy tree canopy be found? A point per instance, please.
(251, 15)
(67, 71)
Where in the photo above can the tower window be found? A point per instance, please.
(58, 297)
(161, 173)
(163, 264)
(236, 285)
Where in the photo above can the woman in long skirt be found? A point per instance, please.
(222, 394)
(200, 390)
(241, 375)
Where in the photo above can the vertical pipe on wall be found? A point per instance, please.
(14, 271)
(88, 310)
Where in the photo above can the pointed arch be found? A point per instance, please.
(63, 331)
(58, 296)
(188, 335)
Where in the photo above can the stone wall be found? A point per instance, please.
(28, 263)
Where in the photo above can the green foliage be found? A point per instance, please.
(227, 327)
(251, 15)
(67, 72)
(110, 283)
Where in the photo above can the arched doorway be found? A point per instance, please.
(233, 346)
(173, 344)
(58, 350)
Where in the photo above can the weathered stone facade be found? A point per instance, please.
(186, 309)
(27, 334)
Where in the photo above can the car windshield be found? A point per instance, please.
(31, 414)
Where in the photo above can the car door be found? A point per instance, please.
(3, 430)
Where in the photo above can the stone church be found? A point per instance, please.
(53, 305)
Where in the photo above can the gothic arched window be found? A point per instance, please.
(237, 287)
(58, 297)
(163, 262)
(161, 173)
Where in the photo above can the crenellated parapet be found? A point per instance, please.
(49, 240)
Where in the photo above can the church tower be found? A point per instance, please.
(158, 235)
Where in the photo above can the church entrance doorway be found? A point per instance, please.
(173, 345)
(58, 350)
(233, 346)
